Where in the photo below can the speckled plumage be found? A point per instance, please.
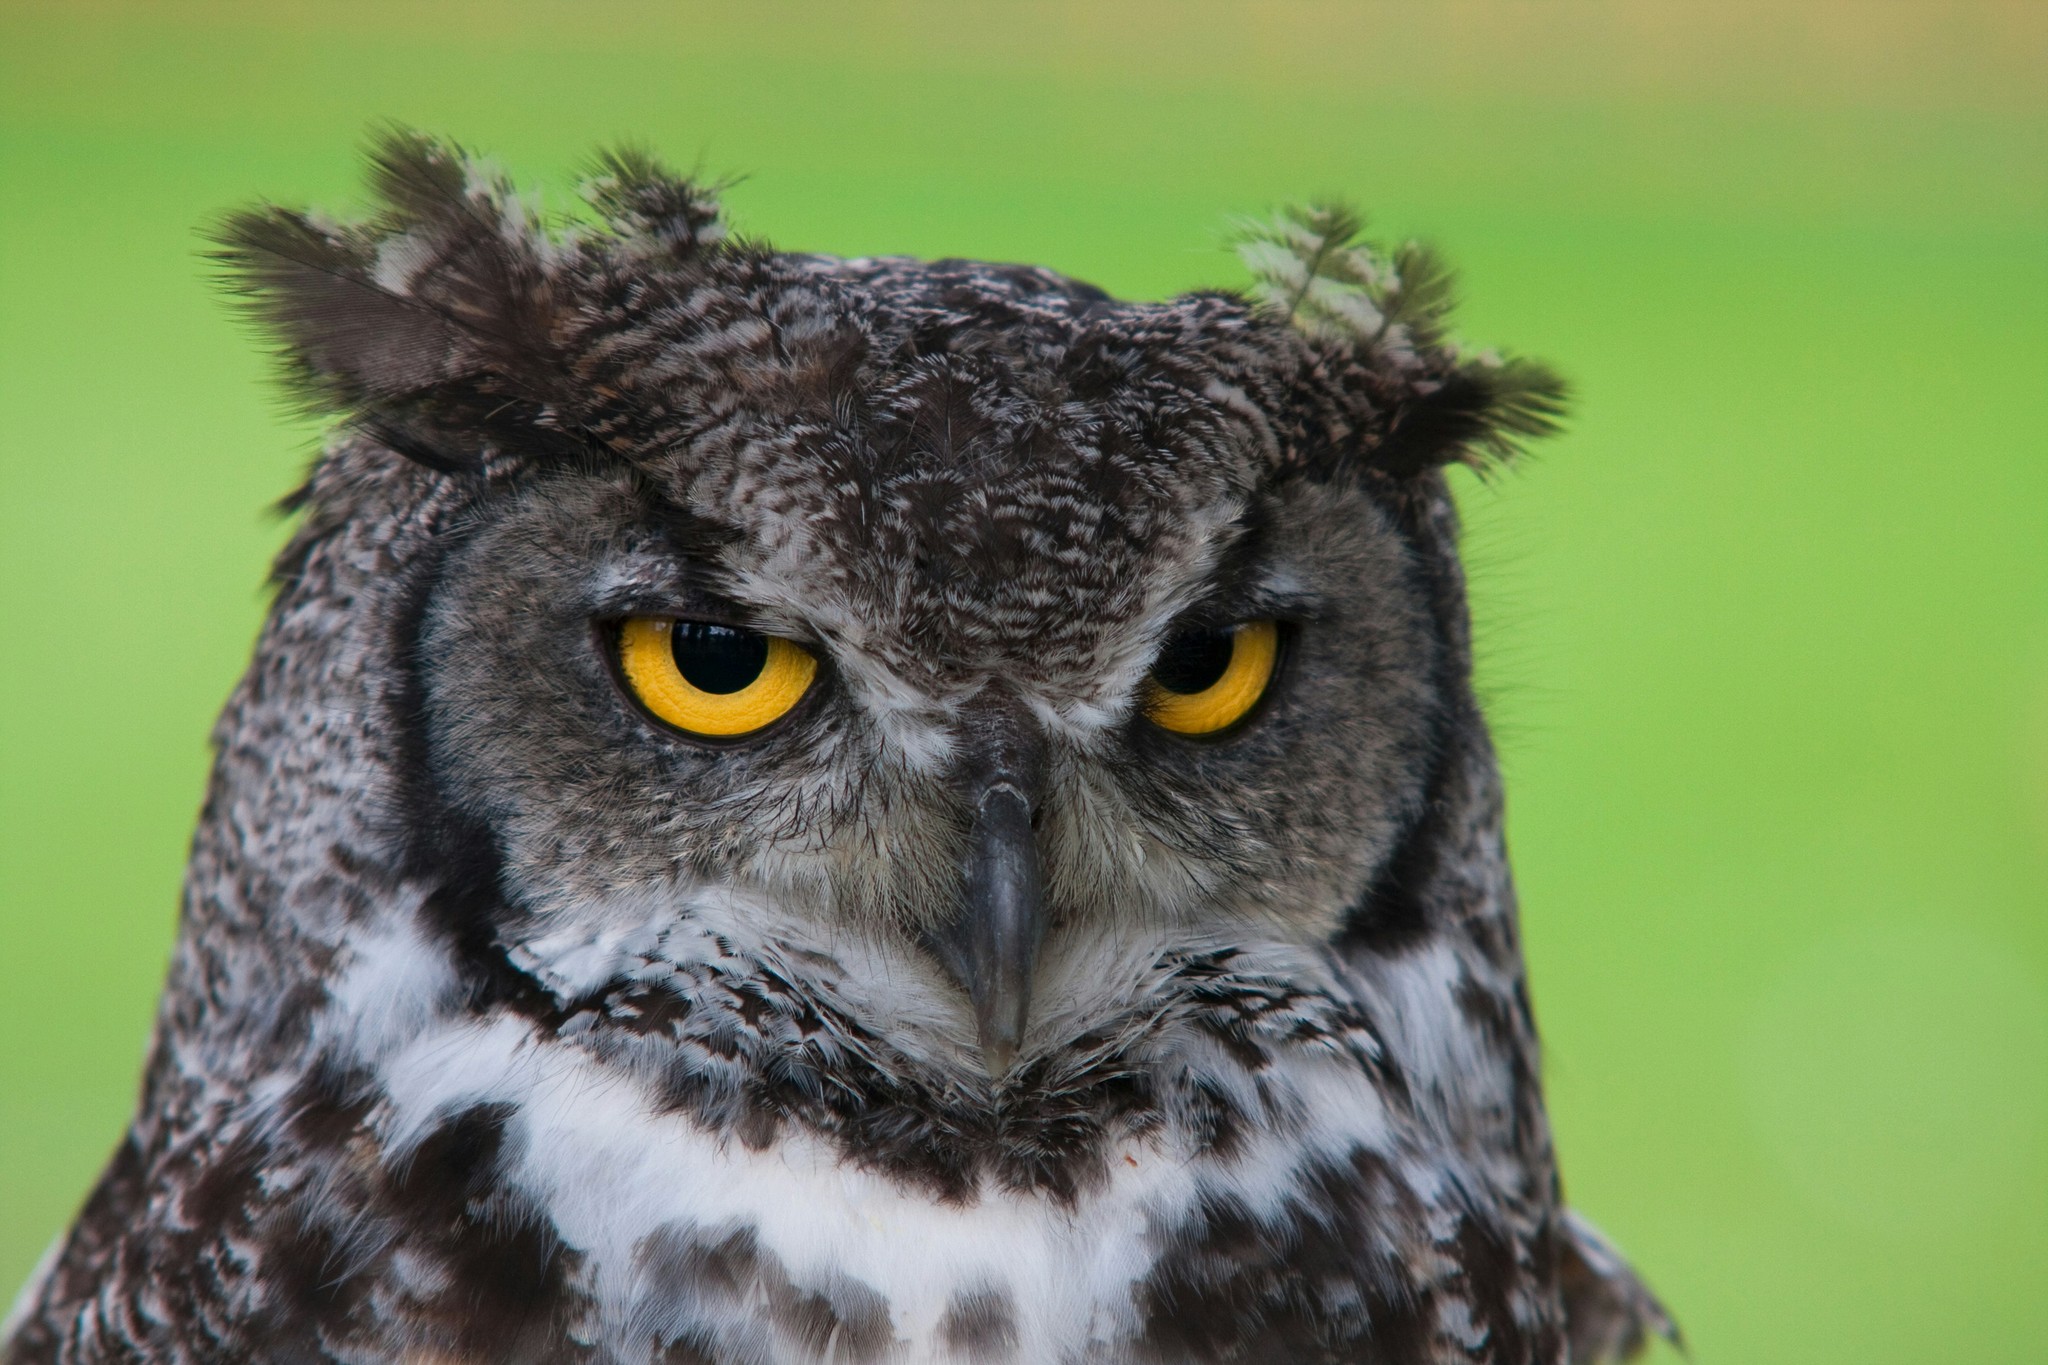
(504, 1026)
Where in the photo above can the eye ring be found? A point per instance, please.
(1239, 681)
(746, 680)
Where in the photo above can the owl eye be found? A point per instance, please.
(710, 679)
(1208, 680)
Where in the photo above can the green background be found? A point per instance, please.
(1763, 634)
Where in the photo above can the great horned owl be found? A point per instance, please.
(793, 809)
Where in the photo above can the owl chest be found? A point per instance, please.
(798, 1252)
(685, 1242)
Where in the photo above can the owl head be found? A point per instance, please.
(950, 632)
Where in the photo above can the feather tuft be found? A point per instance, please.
(431, 323)
(1389, 310)
(1311, 267)
(650, 207)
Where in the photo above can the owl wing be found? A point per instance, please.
(1609, 1311)
(84, 1272)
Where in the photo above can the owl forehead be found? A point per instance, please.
(1026, 548)
(987, 485)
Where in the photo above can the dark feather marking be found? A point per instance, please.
(329, 1106)
(445, 849)
(1394, 913)
(1324, 1280)
(1404, 903)
(721, 1297)
(508, 1293)
(981, 1325)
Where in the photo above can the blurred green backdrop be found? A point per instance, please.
(1763, 634)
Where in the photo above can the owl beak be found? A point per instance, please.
(1001, 923)
(991, 947)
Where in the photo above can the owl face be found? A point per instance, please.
(851, 813)
(951, 619)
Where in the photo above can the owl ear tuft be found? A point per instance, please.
(650, 208)
(1382, 316)
(1477, 411)
(431, 321)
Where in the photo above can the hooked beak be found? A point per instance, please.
(991, 947)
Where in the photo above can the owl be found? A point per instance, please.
(794, 810)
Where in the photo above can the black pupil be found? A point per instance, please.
(1193, 660)
(718, 659)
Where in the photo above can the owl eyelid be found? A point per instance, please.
(1290, 616)
(691, 606)
(612, 620)
(1223, 610)
(681, 605)
(608, 622)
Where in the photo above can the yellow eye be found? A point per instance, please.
(711, 679)
(1207, 680)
